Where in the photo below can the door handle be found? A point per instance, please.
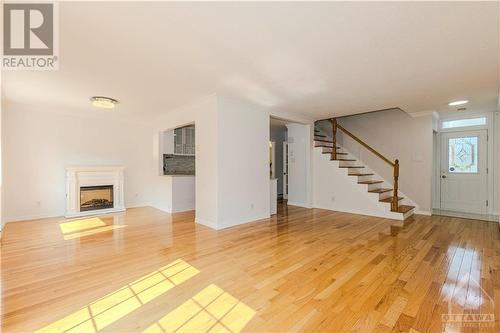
(443, 176)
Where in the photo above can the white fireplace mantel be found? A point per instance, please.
(80, 176)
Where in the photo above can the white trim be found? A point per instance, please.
(423, 212)
(424, 113)
(390, 216)
(95, 212)
(298, 204)
(244, 221)
(28, 218)
(204, 223)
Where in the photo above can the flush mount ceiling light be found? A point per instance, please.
(455, 103)
(103, 102)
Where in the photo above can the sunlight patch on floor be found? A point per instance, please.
(110, 308)
(86, 227)
(93, 231)
(211, 310)
(80, 225)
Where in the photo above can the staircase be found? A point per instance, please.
(390, 203)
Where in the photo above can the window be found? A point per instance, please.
(464, 122)
(463, 155)
(184, 141)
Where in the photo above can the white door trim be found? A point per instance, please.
(285, 169)
(490, 127)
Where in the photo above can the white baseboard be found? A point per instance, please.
(423, 212)
(31, 217)
(244, 221)
(356, 212)
(95, 212)
(298, 204)
(61, 214)
(205, 223)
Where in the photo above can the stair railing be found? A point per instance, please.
(395, 165)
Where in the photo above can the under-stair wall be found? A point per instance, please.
(334, 189)
(395, 134)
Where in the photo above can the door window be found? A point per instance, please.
(463, 155)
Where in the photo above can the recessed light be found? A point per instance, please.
(455, 103)
(103, 102)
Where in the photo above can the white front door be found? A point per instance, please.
(464, 162)
(285, 170)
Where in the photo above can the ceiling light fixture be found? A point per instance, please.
(103, 102)
(455, 103)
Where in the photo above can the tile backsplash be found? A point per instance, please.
(178, 164)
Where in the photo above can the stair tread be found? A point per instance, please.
(351, 166)
(361, 174)
(404, 209)
(381, 190)
(343, 160)
(369, 182)
(320, 135)
(329, 152)
(389, 199)
(323, 140)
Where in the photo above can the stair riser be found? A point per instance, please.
(408, 214)
(325, 144)
(373, 187)
(364, 178)
(348, 163)
(385, 195)
(346, 168)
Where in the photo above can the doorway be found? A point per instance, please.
(464, 171)
(285, 170)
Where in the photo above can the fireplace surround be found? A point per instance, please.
(94, 190)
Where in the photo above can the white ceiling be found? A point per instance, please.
(314, 59)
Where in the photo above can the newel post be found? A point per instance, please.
(334, 138)
(395, 201)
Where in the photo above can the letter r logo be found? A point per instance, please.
(28, 29)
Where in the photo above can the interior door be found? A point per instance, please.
(285, 170)
(464, 162)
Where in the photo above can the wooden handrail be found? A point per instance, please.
(385, 159)
(395, 164)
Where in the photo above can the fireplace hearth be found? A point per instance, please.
(96, 197)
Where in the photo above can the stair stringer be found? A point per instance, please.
(406, 201)
(330, 181)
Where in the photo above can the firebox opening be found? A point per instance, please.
(96, 197)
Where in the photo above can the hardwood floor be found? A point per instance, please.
(305, 270)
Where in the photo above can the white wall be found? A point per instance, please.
(395, 134)
(299, 165)
(2, 221)
(38, 146)
(335, 190)
(243, 182)
(183, 193)
(232, 175)
(496, 157)
(203, 113)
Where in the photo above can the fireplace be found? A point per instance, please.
(96, 197)
(94, 190)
